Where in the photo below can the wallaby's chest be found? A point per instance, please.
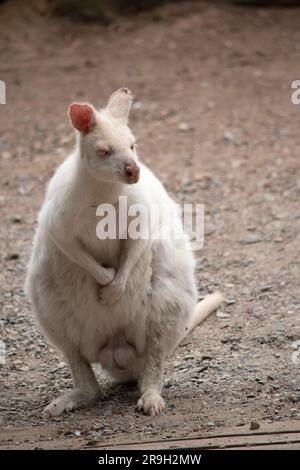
(99, 233)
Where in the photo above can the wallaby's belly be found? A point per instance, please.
(66, 302)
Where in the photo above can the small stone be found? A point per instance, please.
(183, 126)
(222, 315)
(12, 256)
(206, 358)
(6, 155)
(199, 370)
(137, 105)
(252, 238)
(260, 380)
(294, 398)
(77, 433)
(230, 301)
(188, 357)
(16, 219)
(265, 288)
(3, 144)
(254, 426)
(296, 344)
(229, 136)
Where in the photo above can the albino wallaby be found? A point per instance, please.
(126, 303)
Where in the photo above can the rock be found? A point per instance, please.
(6, 155)
(222, 315)
(252, 238)
(254, 426)
(265, 288)
(230, 301)
(203, 368)
(137, 105)
(228, 136)
(3, 143)
(296, 344)
(12, 256)
(294, 398)
(188, 357)
(206, 358)
(16, 219)
(260, 380)
(184, 127)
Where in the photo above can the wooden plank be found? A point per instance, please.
(269, 435)
(295, 446)
(228, 442)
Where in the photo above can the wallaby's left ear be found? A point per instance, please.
(119, 103)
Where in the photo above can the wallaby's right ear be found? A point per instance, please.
(119, 103)
(83, 117)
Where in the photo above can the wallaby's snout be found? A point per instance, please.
(132, 171)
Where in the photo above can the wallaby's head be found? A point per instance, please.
(108, 149)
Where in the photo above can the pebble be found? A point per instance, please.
(222, 315)
(265, 288)
(16, 219)
(188, 357)
(3, 143)
(252, 238)
(184, 127)
(137, 105)
(12, 256)
(230, 301)
(254, 426)
(206, 358)
(296, 344)
(228, 136)
(294, 398)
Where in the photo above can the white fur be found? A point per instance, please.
(152, 296)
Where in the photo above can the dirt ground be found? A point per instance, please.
(214, 120)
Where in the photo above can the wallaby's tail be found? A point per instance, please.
(204, 308)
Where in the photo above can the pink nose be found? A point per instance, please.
(132, 171)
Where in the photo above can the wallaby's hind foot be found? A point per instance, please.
(70, 401)
(151, 403)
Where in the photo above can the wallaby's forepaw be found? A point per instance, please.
(68, 402)
(107, 276)
(151, 403)
(110, 294)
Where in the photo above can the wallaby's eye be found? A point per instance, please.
(133, 146)
(103, 153)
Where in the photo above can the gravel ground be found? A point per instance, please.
(214, 119)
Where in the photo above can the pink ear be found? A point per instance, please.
(82, 117)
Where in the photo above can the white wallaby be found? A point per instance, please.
(126, 303)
